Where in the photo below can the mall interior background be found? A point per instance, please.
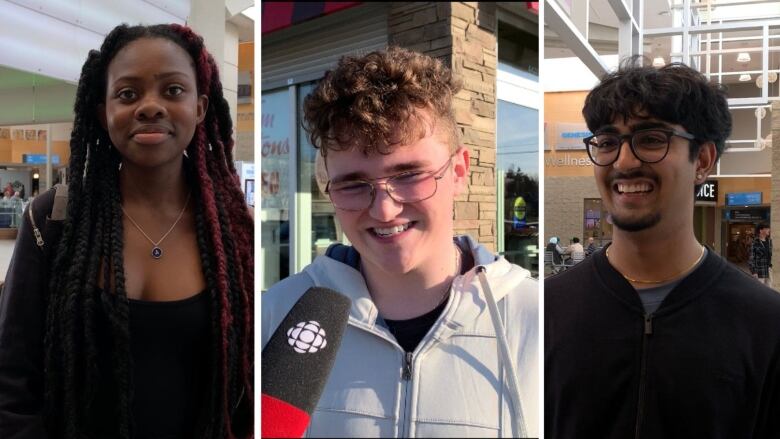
(43, 46)
(492, 46)
(733, 42)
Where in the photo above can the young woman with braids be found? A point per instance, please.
(136, 322)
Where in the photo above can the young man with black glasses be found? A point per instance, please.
(442, 335)
(656, 336)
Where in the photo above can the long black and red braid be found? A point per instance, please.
(76, 353)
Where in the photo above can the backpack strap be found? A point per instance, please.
(345, 254)
(58, 211)
(60, 207)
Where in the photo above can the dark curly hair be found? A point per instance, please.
(674, 93)
(80, 315)
(366, 99)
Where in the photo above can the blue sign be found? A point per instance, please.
(575, 134)
(743, 198)
(40, 159)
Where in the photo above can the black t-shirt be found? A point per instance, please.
(410, 332)
(169, 346)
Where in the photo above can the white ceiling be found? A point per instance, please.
(603, 33)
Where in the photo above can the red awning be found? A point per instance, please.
(279, 15)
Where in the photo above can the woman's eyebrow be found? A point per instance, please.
(165, 75)
(162, 75)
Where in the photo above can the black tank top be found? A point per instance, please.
(169, 345)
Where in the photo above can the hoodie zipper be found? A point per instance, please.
(407, 379)
(640, 407)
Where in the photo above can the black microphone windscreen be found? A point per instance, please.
(298, 358)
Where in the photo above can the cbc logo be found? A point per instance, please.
(307, 337)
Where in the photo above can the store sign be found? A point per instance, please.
(743, 198)
(754, 215)
(566, 160)
(707, 191)
(569, 136)
(40, 159)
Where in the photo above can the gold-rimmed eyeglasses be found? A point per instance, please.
(406, 187)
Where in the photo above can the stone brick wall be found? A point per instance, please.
(463, 35)
(563, 205)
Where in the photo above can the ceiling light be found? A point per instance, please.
(744, 77)
(772, 77)
(658, 61)
(743, 57)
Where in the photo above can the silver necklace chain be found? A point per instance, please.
(156, 250)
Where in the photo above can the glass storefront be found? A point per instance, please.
(517, 162)
(518, 168)
(595, 223)
(275, 192)
(297, 219)
(317, 209)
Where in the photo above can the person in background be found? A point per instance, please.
(574, 247)
(760, 255)
(555, 248)
(591, 248)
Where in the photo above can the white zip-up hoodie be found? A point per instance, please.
(456, 383)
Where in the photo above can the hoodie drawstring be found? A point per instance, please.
(503, 351)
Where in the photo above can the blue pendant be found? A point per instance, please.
(157, 252)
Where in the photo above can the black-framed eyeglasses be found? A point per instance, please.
(649, 146)
(406, 187)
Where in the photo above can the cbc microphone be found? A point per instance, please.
(298, 359)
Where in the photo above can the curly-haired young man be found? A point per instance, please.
(657, 336)
(426, 353)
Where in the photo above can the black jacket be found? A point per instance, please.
(22, 315)
(706, 364)
(760, 257)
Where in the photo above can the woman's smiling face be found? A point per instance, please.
(152, 106)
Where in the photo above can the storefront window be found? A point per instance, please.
(275, 197)
(518, 167)
(316, 206)
(595, 224)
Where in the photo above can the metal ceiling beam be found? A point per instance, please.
(623, 13)
(712, 28)
(559, 22)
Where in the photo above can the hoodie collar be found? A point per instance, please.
(503, 276)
